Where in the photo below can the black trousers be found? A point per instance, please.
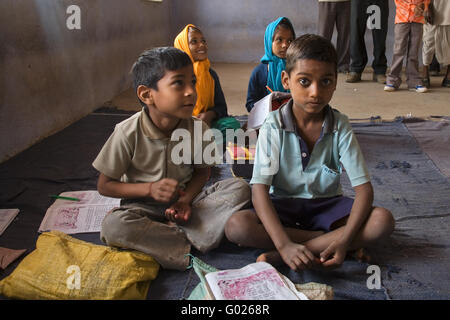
(337, 14)
(358, 25)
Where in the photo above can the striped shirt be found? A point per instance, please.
(405, 11)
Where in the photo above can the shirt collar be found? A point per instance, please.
(288, 122)
(152, 131)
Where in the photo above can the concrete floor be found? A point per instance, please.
(357, 100)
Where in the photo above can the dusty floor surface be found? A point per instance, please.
(357, 100)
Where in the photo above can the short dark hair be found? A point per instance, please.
(151, 66)
(286, 24)
(310, 46)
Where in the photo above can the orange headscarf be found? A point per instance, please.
(205, 82)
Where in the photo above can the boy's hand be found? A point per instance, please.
(336, 251)
(278, 95)
(208, 117)
(429, 14)
(419, 10)
(297, 256)
(164, 190)
(179, 212)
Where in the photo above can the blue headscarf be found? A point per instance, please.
(276, 64)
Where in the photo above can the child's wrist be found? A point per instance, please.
(213, 113)
(280, 245)
(345, 240)
(149, 190)
(185, 198)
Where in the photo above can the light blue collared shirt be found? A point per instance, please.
(279, 159)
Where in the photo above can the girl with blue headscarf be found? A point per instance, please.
(266, 77)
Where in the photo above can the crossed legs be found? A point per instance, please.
(245, 229)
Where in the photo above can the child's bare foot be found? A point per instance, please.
(271, 257)
(274, 258)
(361, 255)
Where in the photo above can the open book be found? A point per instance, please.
(263, 107)
(256, 281)
(85, 215)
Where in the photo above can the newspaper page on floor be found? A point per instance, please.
(256, 281)
(78, 212)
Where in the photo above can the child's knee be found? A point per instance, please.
(241, 189)
(383, 220)
(113, 231)
(238, 228)
(109, 228)
(245, 192)
(237, 192)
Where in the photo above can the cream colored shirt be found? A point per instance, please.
(441, 12)
(137, 151)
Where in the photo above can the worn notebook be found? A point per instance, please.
(263, 107)
(256, 281)
(78, 212)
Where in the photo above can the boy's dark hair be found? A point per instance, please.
(151, 66)
(286, 24)
(310, 46)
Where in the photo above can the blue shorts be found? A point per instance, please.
(312, 214)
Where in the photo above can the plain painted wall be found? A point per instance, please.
(51, 76)
(235, 29)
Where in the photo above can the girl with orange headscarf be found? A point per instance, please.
(211, 104)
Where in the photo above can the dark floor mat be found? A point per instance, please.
(434, 139)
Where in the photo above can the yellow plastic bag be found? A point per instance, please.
(63, 267)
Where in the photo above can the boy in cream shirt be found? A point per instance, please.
(165, 208)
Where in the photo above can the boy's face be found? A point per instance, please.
(312, 84)
(197, 45)
(281, 41)
(176, 95)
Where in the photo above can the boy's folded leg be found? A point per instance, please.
(212, 208)
(130, 227)
(272, 257)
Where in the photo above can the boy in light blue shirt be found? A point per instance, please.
(302, 148)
